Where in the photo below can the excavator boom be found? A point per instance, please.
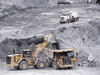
(40, 47)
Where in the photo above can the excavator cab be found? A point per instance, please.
(27, 53)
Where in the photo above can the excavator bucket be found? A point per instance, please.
(50, 38)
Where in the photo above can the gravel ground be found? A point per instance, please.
(50, 71)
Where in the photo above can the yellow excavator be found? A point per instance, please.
(27, 58)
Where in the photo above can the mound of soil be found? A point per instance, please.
(8, 45)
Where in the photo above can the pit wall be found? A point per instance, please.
(33, 3)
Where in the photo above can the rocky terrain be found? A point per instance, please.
(24, 26)
(9, 7)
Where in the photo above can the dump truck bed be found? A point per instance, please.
(50, 52)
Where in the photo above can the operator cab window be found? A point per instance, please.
(65, 14)
(28, 53)
(70, 54)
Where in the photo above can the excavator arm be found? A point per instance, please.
(41, 46)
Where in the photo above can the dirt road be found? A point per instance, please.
(5, 70)
(51, 71)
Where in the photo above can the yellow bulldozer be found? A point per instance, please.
(29, 58)
(60, 58)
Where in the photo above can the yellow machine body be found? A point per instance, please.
(12, 60)
(61, 57)
(30, 57)
(15, 59)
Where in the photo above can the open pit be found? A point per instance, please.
(82, 38)
(24, 29)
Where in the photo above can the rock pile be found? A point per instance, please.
(86, 60)
(7, 46)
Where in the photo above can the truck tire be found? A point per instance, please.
(35, 66)
(70, 67)
(55, 65)
(17, 67)
(61, 22)
(41, 64)
(23, 65)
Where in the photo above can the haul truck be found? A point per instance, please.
(60, 58)
(27, 58)
(89, 1)
(69, 17)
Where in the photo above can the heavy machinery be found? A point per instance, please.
(60, 58)
(64, 2)
(89, 1)
(69, 17)
(29, 58)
